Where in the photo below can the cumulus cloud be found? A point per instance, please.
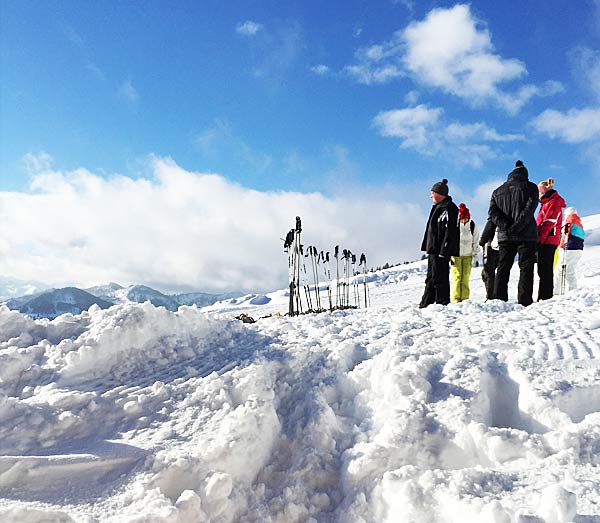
(248, 28)
(573, 126)
(181, 229)
(422, 128)
(452, 51)
(412, 125)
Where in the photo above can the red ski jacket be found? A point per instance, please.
(549, 218)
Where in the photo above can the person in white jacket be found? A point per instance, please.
(469, 247)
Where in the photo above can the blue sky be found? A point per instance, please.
(337, 98)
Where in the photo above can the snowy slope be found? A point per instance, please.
(475, 412)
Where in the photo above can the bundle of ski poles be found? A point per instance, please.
(304, 296)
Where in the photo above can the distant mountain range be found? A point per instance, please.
(13, 287)
(54, 302)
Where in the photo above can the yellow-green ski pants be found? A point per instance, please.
(461, 272)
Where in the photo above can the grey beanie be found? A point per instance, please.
(441, 187)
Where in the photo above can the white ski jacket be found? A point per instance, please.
(469, 242)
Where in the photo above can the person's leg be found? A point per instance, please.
(441, 279)
(429, 292)
(506, 258)
(573, 258)
(526, 252)
(560, 272)
(545, 271)
(493, 256)
(456, 278)
(465, 269)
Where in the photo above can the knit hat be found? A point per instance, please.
(441, 187)
(570, 210)
(519, 163)
(463, 212)
(545, 185)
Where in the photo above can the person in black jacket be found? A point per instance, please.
(512, 210)
(440, 242)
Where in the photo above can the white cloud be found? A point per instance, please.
(249, 28)
(128, 92)
(184, 228)
(276, 51)
(449, 51)
(412, 125)
(586, 65)
(421, 128)
(320, 69)
(452, 51)
(376, 64)
(368, 75)
(574, 126)
(457, 131)
(36, 163)
(412, 97)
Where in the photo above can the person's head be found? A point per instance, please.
(519, 163)
(545, 185)
(463, 213)
(569, 211)
(439, 191)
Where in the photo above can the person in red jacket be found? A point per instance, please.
(549, 222)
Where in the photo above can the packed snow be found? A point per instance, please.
(480, 411)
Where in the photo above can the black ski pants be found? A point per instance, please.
(437, 282)
(488, 273)
(545, 270)
(508, 251)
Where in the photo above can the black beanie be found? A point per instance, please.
(441, 187)
(519, 163)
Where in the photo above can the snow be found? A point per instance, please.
(475, 412)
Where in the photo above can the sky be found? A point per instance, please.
(361, 106)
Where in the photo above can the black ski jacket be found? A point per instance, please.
(512, 208)
(442, 233)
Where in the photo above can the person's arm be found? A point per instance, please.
(488, 233)
(524, 216)
(498, 218)
(451, 233)
(475, 240)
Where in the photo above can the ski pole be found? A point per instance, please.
(327, 276)
(288, 246)
(314, 260)
(563, 276)
(298, 249)
(305, 280)
(363, 262)
(355, 282)
(337, 272)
